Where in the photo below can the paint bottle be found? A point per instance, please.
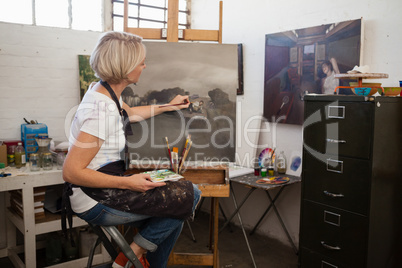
(257, 169)
(270, 167)
(263, 172)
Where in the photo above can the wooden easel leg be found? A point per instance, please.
(216, 231)
(211, 224)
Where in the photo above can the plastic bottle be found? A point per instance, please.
(281, 163)
(20, 159)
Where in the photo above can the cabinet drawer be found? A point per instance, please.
(310, 259)
(335, 233)
(343, 128)
(345, 186)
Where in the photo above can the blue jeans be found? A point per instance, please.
(156, 235)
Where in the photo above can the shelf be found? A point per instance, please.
(50, 223)
(361, 76)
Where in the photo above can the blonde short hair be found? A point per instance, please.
(116, 55)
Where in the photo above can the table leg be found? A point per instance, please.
(225, 218)
(267, 210)
(282, 223)
(241, 224)
(237, 208)
(29, 227)
(272, 205)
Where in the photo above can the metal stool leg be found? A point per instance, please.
(123, 245)
(92, 252)
(191, 231)
(118, 239)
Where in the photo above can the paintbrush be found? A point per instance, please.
(176, 104)
(175, 159)
(185, 147)
(185, 155)
(170, 153)
(272, 154)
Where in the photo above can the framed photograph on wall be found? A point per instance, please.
(295, 63)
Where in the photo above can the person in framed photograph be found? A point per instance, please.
(329, 82)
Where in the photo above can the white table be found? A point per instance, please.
(27, 181)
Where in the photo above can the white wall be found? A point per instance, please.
(39, 73)
(248, 22)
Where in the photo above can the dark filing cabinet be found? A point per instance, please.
(351, 207)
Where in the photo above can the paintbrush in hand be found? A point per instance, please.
(176, 104)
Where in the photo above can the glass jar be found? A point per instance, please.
(281, 163)
(34, 162)
(47, 161)
(60, 160)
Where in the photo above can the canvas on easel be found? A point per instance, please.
(208, 75)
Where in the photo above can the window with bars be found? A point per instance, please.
(148, 14)
(72, 14)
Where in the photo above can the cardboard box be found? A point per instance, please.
(3, 154)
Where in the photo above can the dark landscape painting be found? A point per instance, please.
(208, 74)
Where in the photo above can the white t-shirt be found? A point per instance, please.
(330, 83)
(97, 115)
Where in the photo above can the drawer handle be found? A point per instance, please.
(336, 141)
(330, 247)
(332, 194)
(336, 112)
(335, 166)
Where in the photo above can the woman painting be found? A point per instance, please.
(97, 188)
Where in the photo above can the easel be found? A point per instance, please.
(174, 34)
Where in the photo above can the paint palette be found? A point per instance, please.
(273, 180)
(265, 155)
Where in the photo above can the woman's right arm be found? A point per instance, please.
(81, 154)
(334, 65)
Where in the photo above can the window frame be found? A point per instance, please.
(105, 22)
(138, 19)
